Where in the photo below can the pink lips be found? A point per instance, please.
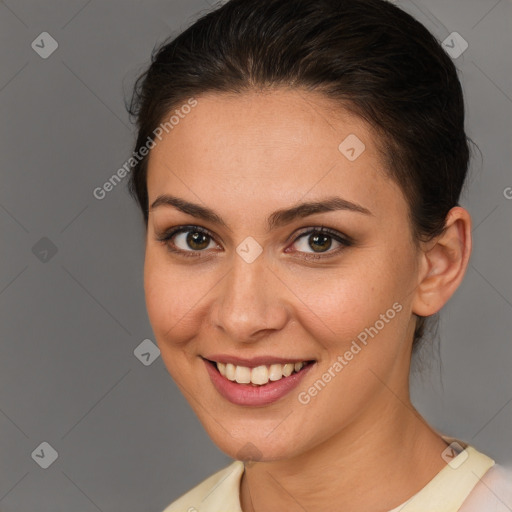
(248, 394)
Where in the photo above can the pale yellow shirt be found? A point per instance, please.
(470, 482)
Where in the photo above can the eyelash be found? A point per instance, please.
(167, 236)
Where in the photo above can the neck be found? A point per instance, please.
(373, 466)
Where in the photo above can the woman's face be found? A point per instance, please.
(263, 287)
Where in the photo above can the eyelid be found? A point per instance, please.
(166, 236)
(340, 237)
(344, 241)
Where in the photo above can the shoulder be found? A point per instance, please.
(219, 492)
(492, 492)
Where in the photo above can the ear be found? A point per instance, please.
(443, 263)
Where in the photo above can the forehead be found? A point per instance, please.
(282, 144)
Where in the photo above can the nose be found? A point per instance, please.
(251, 301)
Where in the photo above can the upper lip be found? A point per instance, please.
(253, 362)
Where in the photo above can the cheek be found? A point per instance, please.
(359, 317)
(343, 302)
(169, 304)
(167, 295)
(175, 298)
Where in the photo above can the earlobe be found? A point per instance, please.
(443, 264)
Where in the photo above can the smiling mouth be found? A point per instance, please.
(259, 375)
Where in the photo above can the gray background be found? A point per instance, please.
(71, 321)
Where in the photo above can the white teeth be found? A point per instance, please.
(230, 371)
(275, 372)
(287, 369)
(243, 375)
(259, 375)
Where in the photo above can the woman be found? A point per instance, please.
(301, 165)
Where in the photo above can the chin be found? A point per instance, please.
(253, 447)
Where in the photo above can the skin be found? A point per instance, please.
(245, 156)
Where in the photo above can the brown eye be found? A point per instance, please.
(319, 243)
(197, 241)
(186, 240)
(316, 242)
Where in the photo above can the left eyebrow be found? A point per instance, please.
(330, 204)
(277, 219)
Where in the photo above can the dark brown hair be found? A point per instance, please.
(369, 56)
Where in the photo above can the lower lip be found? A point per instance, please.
(247, 394)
